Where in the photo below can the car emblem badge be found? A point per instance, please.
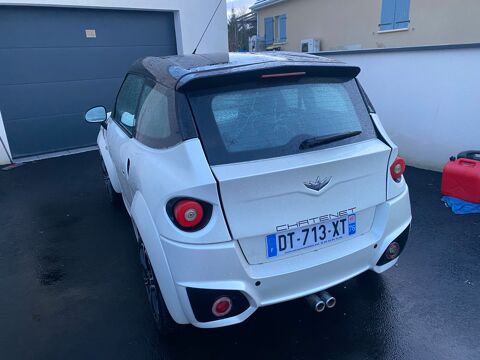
(318, 184)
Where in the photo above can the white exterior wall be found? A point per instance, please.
(191, 18)
(428, 100)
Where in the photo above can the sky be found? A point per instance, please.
(239, 4)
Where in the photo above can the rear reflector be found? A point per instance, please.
(222, 306)
(210, 304)
(267, 76)
(397, 169)
(393, 250)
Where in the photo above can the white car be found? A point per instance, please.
(251, 180)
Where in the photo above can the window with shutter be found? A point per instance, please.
(395, 15)
(282, 20)
(402, 14)
(268, 31)
(388, 15)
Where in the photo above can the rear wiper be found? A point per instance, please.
(322, 140)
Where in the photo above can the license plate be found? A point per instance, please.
(313, 235)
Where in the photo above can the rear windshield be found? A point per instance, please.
(268, 119)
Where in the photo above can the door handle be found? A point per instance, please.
(128, 166)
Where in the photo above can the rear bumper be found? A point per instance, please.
(223, 266)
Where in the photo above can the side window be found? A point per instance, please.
(157, 125)
(127, 101)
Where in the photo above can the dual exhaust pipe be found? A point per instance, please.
(320, 301)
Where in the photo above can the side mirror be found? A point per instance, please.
(96, 115)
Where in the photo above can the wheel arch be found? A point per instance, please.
(147, 231)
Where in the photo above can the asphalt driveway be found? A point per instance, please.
(71, 285)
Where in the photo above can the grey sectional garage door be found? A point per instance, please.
(55, 63)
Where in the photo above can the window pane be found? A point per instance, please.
(127, 101)
(271, 117)
(248, 122)
(156, 118)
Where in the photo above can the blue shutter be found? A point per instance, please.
(387, 20)
(402, 14)
(268, 31)
(283, 28)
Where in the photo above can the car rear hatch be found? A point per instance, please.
(292, 150)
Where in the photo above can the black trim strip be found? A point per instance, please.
(365, 97)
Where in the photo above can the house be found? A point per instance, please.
(58, 58)
(353, 24)
(419, 61)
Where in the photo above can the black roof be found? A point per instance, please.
(176, 71)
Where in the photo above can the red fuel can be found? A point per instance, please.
(461, 179)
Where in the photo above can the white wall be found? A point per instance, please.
(190, 19)
(4, 156)
(428, 100)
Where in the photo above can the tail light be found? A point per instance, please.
(298, 73)
(189, 214)
(397, 169)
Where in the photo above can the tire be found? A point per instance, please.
(113, 197)
(163, 320)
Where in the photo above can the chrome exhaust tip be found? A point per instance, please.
(315, 302)
(328, 299)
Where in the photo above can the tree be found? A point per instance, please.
(241, 25)
(232, 31)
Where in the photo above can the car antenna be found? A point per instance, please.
(206, 28)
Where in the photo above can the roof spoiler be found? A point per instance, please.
(241, 74)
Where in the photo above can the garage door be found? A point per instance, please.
(56, 63)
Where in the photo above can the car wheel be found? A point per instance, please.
(163, 320)
(113, 197)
